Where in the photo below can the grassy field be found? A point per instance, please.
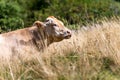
(91, 54)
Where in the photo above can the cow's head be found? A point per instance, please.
(56, 30)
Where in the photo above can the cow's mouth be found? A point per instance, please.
(67, 37)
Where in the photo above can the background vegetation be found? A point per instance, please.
(15, 14)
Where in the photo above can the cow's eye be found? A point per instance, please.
(61, 30)
(54, 24)
(47, 20)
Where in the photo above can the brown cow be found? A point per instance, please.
(40, 35)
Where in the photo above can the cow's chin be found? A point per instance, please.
(58, 39)
(67, 37)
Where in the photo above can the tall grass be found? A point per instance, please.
(91, 54)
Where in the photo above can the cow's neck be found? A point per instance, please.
(49, 40)
(39, 37)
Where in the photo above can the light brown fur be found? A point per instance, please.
(36, 37)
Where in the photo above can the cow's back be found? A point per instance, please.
(19, 41)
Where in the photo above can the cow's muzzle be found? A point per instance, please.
(68, 34)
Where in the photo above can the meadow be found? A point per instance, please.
(91, 54)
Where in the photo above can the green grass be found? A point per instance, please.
(17, 14)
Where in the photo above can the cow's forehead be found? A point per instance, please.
(55, 20)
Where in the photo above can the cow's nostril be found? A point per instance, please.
(68, 32)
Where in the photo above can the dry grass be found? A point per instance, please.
(91, 54)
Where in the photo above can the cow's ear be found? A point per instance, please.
(39, 24)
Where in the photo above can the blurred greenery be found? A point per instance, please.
(15, 14)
